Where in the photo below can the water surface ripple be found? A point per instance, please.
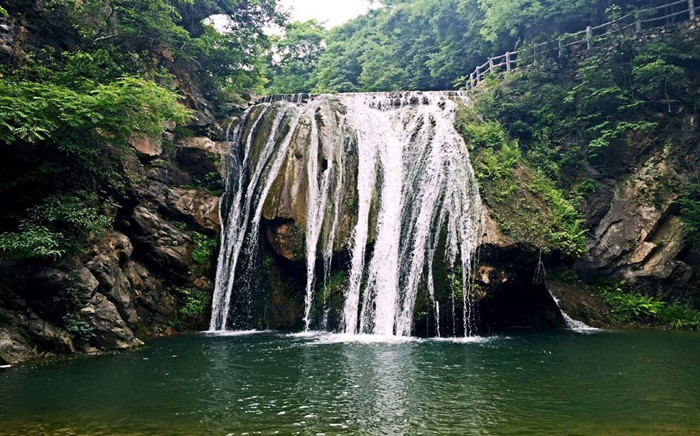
(546, 383)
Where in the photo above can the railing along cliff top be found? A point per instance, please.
(649, 18)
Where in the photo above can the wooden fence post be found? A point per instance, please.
(638, 26)
(508, 61)
(589, 37)
(490, 65)
(471, 80)
(478, 76)
(691, 9)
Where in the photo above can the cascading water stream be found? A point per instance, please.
(571, 324)
(414, 197)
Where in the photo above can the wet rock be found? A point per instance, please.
(165, 174)
(54, 290)
(203, 283)
(201, 164)
(204, 144)
(288, 197)
(13, 36)
(25, 336)
(111, 254)
(286, 239)
(197, 205)
(14, 348)
(640, 237)
(285, 209)
(109, 331)
(493, 235)
(579, 303)
(47, 335)
(154, 305)
(165, 246)
(146, 145)
(67, 275)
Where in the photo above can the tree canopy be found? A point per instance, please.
(431, 44)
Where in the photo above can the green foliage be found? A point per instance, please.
(536, 113)
(658, 77)
(82, 69)
(564, 116)
(455, 283)
(169, 33)
(606, 102)
(294, 56)
(518, 17)
(81, 329)
(335, 284)
(204, 249)
(628, 306)
(32, 242)
(540, 19)
(527, 205)
(183, 132)
(607, 133)
(72, 298)
(3, 12)
(210, 183)
(690, 212)
(67, 112)
(586, 187)
(193, 304)
(562, 122)
(433, 44)
(58, 224)
(421, 44)
(61, 149)
(81, 212)
(79, 122)
(499, 164)
(680, 316)
(568, 231)
(489, 134)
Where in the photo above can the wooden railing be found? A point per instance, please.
(639, 20)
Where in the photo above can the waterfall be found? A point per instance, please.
(384, 177)
(571, 324)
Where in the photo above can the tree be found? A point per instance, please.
(294, 57)
(421, 44)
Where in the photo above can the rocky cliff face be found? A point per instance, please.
(135, 279)
(637, 234)
(151, 274)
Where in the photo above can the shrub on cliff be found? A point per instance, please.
(62, 147)
(690, 212)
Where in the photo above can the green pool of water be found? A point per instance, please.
(552, 383)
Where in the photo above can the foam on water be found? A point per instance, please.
(226, 333)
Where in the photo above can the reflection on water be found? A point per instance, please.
(526, 383)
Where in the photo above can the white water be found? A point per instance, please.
(572, 324)
(414, 180)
